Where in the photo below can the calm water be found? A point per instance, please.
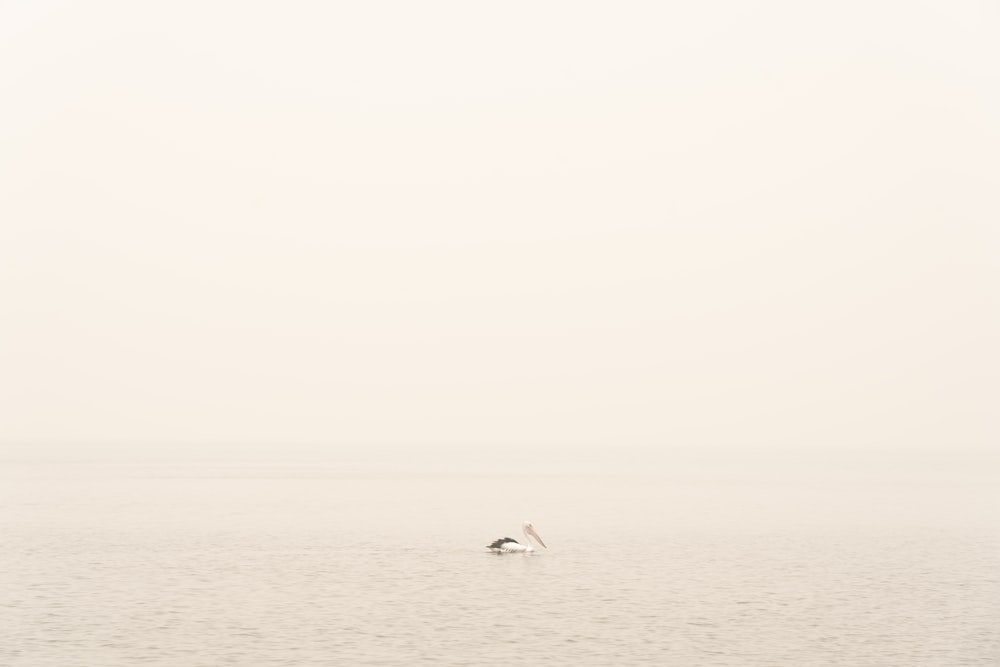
(375, 557)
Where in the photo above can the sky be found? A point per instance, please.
(481, 225)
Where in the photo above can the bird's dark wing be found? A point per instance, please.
(498, 543)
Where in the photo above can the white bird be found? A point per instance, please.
(508, 545)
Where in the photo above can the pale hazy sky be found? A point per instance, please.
(424, 222)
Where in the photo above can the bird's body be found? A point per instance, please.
(508, 545)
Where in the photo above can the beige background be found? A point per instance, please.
(472, 223)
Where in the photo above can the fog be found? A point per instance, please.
(571, 224)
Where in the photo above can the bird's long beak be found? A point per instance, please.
(531, 531)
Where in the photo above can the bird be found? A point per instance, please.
(508, 545)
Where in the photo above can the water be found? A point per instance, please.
(375, 557)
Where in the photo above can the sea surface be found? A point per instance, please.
(375, 556)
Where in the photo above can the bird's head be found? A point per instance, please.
(529, 530)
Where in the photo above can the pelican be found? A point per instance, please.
(508, 545)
